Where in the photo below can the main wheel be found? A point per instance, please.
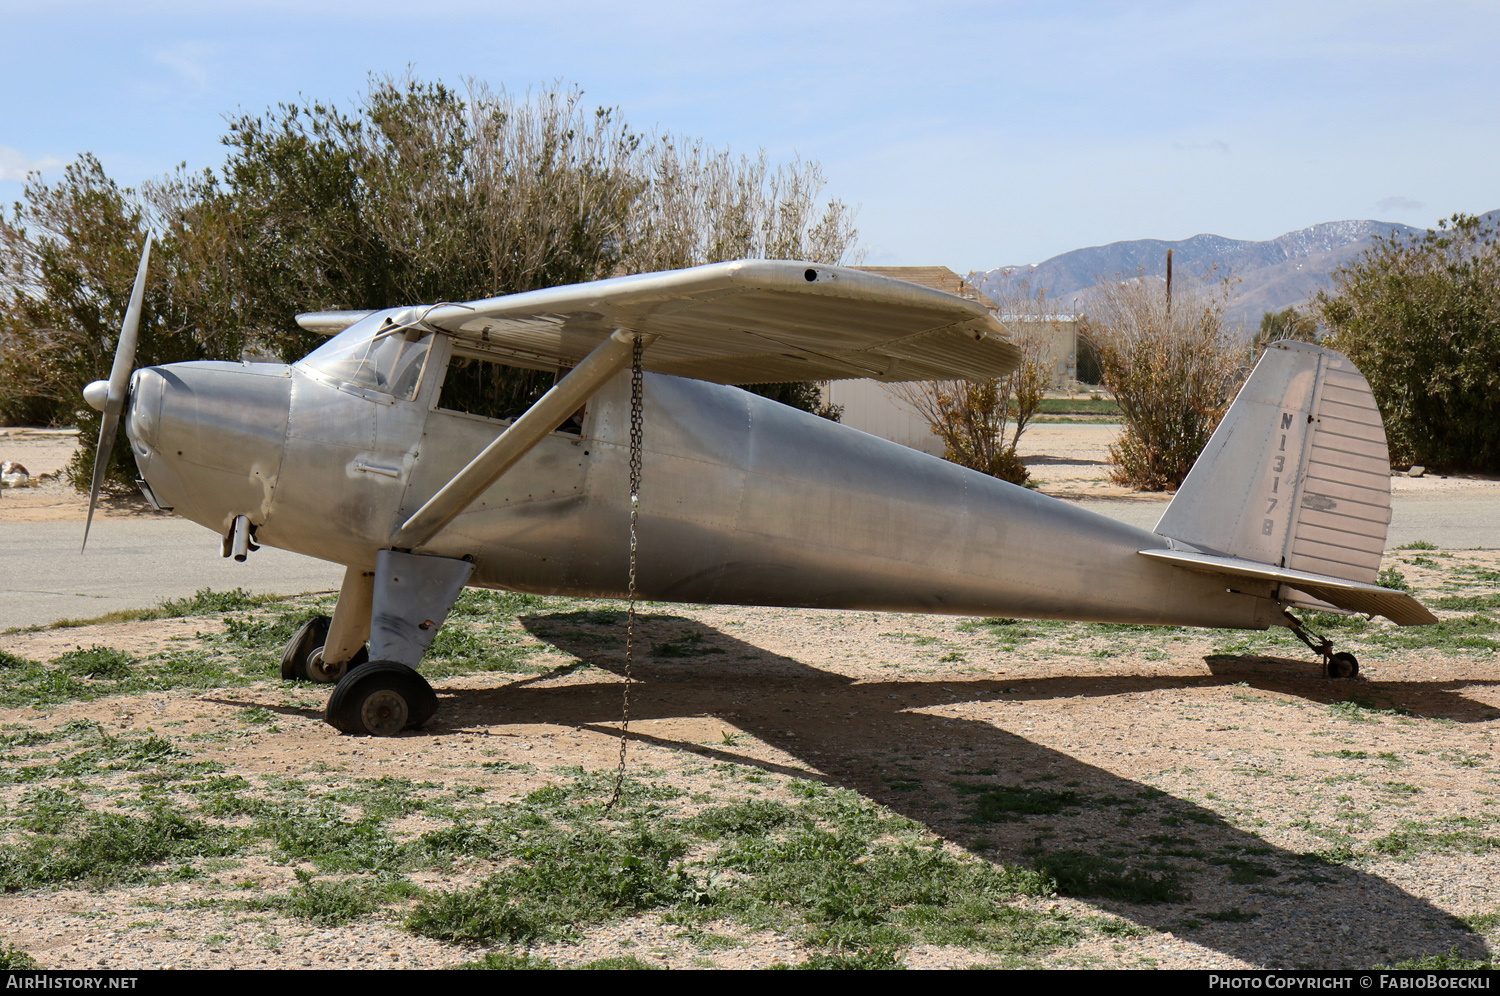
(380, 699)
(1342, 665)
(303, 657)
(311, 637)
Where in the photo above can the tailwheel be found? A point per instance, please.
(380, 699)
(1335, 665)
(303, 657)
(1341, 665)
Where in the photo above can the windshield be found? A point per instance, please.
(374, 355)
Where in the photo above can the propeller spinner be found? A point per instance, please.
(109, 396)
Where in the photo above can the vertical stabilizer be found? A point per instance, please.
(1297, 475)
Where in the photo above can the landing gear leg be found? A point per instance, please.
(347, 631)
(410, 597)
(1335, 665)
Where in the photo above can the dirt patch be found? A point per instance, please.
(45, 453)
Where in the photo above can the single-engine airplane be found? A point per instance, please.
(386, 451)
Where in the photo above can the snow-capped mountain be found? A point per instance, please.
(1264, 276)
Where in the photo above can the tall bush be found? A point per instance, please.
(68, 257)
(1171, 367)
(1288, 323)
(420, 193)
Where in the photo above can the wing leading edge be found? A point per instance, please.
(747, 322)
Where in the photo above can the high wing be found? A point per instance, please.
(747, 322)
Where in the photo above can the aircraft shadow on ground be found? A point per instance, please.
(1286, 676)
(1427, 699)
(1279, 908)
(253, 702)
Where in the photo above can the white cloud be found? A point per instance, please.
(188, 60)
(1399, 203)
(1214, 145)
(15, 164)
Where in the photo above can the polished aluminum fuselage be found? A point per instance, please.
(743, 501)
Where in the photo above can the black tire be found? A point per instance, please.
(1343, 665)
(380, 699)
(312, 635)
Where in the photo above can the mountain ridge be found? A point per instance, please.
(1266, 275)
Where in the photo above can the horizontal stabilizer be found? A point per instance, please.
(747, 322)
(1351, 596)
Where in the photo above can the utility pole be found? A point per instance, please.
(1169, 285)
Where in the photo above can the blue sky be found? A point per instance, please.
(967, 134)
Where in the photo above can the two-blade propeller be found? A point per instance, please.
(109, 396)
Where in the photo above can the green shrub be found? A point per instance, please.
(1420, 316)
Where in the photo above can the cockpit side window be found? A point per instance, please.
(476, 385)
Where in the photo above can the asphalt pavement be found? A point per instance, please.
(1449, 519)
(134, 564)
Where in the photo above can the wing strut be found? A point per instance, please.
(566, 396)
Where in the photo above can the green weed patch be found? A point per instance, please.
(336, 903)
(1079, 873)
(110, 848)
(1460, 835)
(566, 881)
(1467, 603)
(1010, 803)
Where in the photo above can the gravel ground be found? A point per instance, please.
(1267, 764)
